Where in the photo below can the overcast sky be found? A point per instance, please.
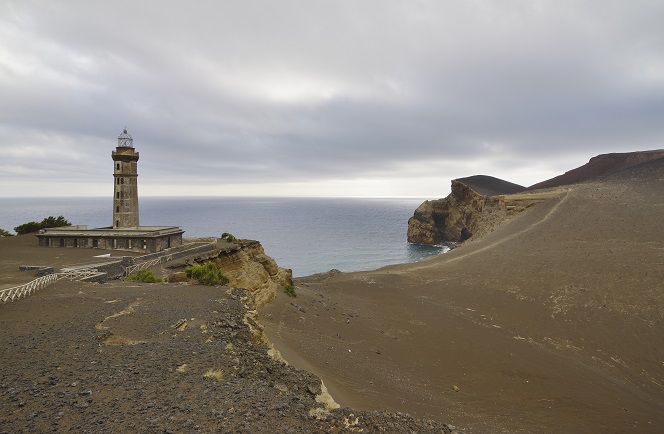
(322, 98)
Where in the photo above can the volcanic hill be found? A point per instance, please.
(552, 322)
(604, 164)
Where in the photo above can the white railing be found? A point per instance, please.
(147, 264)
(79, 274)
(90, 266)
(11, 294)
(166, 258)
(16, 292)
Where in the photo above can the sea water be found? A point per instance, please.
(308, 235)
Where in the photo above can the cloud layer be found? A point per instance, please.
(322, 98)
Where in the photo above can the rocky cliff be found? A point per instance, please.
(247, 267)
(472, 207)
(250, 268)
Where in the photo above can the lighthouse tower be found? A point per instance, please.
(125, 177)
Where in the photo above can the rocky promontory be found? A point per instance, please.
(460, 215)
(477, 204)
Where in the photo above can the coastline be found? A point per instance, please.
(506, 333)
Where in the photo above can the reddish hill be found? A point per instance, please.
(604, 164)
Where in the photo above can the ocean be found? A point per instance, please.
(308, 235)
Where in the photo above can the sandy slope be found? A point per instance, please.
(552, 323)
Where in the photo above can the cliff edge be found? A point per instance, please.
(246, 265)
(473, 201)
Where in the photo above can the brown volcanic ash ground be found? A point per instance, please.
(554, 322)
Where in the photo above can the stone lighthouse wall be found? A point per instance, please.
(125, 192)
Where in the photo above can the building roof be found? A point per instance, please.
(135, 232)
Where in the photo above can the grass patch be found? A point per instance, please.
(290, 290)
(144, 276)
(206, 274)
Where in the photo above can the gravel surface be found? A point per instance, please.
(120, 357)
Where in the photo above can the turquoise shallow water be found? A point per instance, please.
(308, 235)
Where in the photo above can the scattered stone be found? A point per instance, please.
(148, 388)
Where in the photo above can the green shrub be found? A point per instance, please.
(4, 233)
(144, 276)
(206, 274)
(228, 237)
(290, 290)
(48, 222)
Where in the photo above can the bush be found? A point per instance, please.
(290, 290)
(48, 222)
(4, 233)
(144, 276)
(206, 274)
(228, 237)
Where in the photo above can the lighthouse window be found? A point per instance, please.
(118, 166)
(117, 195)
(117, 209)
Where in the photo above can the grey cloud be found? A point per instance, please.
(292, 91)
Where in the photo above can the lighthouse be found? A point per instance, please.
(125, 181)
(126, 233)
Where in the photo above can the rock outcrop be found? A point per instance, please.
(247, 266)
(250, 268)
(472, 202)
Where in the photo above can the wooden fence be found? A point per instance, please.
(11, 294)
(16, 292)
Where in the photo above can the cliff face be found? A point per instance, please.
(454, 218)
(250, 268)
(247, 267)
(473, 207)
